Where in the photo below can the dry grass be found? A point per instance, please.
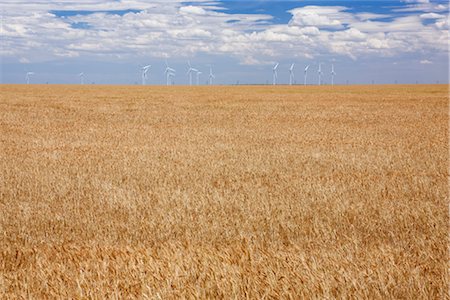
(224, 192)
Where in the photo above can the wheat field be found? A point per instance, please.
(224, 192)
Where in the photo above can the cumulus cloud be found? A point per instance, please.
(172, 28)
(310, 30)
(318, 16)
(351, 34)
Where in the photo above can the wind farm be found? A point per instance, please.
(326, 75)
(193, 75)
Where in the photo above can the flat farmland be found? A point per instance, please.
(224, 192)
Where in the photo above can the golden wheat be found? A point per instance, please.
(224, 192)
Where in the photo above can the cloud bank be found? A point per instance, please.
(44, 30)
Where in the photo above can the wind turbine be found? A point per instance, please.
(144, 73)
(332, 74)
(320, 73)
(275, 74)
(189, 72)
(81, 75)
(27, 77)
(211, 75)
(169, 73)
(306, 72)
(291, 74)
(198, 76)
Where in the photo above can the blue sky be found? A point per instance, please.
(109, 41)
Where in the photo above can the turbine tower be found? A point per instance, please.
(275, 74)
(81, 75)
(320, 73)
(189, 72)
(211, 75)
(27, 77)
(332, 74)
(198, 77)
(291, 74)
(144, 73)
(169, 73)
(306, 73)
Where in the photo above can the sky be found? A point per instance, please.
(404, 41)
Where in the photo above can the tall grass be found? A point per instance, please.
(224, 192)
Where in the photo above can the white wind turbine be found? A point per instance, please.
(320, 73)
(189, 72)
(211, 75)
(169, 73)
(27, 77)
(198, 76)
(81, 75)
(306, 73)
(170, 76)
(275, 74)
(145, 73)
(332, 74)
(291, 74)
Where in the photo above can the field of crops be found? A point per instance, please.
(224, 192)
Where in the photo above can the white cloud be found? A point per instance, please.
(190, 33)
(442, 24)
(351, 34)
(431, 16)
(195, 10)
(425, 62)
(371, 16)
(310, 30)
(405, 24)
(249, 60)
(423, 6)
(318, 16)
(164, 29)
(378, 43)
